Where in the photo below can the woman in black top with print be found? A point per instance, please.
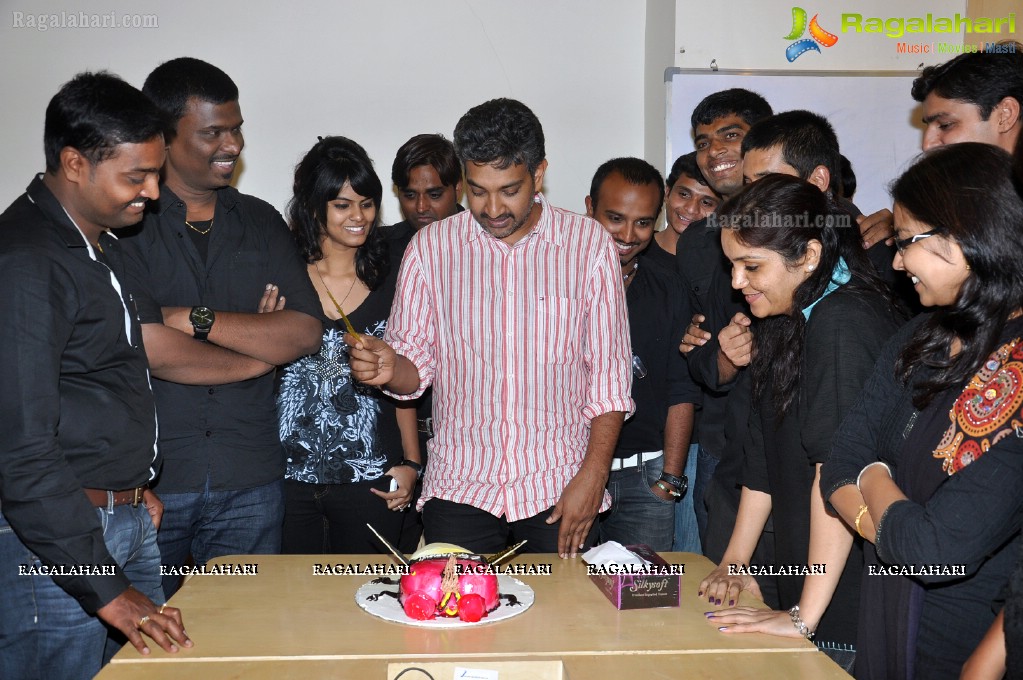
(341, 439)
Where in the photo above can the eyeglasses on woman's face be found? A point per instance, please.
(902, 243)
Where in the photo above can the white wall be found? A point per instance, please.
(377, 71)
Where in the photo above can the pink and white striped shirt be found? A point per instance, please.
(523, 344)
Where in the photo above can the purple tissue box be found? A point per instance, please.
(658, 584)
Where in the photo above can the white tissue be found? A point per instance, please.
(612, 553)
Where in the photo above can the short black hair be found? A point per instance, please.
(433, 150)
(806, 140)
(95, 112)
(174, 82)
(502, 132)
(847, 182)
(319, 178)
(980, 78)
(685, 165)
(737, 101)
(635, 171)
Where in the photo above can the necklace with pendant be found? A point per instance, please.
(337, 305)
(626, 278)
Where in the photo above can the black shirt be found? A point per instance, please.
(75, 409)
(658, 313)
(706, 274)
(843, 338)
(227, 433)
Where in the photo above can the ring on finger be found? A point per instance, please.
(143, 621)
(162, 607)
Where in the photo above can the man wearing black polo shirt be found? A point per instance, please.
(78, 529)
(207, 255)
(646, 477)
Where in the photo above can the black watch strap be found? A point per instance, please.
(418, 467)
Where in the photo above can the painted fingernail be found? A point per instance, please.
(731, 603)
(269, 286)
(717, 601)
(708, 613)
(723, 628)
(699, 594)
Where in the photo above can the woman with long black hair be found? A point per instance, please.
(823, 317)
(929, 464)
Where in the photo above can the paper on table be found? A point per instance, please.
(612, 552)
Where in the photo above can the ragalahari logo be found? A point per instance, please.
(818, 36)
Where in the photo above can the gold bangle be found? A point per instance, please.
(859, 516)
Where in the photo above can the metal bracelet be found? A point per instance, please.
(800, 625)
(667, 489)
(877, 462)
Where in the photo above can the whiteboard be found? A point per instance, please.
(876, 119)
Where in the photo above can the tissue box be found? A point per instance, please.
(658, 584)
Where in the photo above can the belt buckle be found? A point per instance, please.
(137, 497)
(426, 426)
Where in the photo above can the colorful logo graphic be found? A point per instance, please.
(818, 36)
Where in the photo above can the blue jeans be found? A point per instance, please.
(636, 514)
(212, 524)
(687, 534)
(705, 465)
(44, 632)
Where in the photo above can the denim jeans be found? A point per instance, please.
(44, 632)
(706, 463)
(687, 534)
(212, 524)
(636, 514)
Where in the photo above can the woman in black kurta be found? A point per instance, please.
(819, 335)
(929, 464)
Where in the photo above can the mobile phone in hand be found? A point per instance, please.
(386, 483)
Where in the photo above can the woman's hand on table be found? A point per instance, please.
(720, 586)
(750, 620)
(399, 500)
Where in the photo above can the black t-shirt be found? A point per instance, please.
(658, 255)
(334, 429)
(658, 314)
(843, 338)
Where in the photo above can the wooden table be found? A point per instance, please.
(286, 617)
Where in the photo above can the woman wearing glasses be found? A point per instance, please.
(928, 465)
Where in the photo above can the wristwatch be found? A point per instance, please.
(202, 319)
(418, 467)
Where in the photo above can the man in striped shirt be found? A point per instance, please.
(514, 312)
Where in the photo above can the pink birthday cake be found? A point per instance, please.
(448, 581)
